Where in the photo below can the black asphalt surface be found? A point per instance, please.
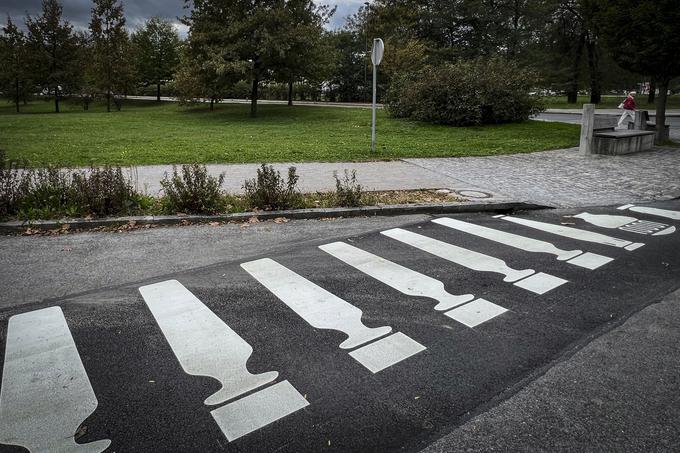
(147, 403)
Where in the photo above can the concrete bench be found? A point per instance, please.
(599, 136)
(642, 123)
(622, 142)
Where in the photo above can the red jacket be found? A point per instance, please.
(629, 104)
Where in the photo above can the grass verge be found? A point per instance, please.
(146, 133)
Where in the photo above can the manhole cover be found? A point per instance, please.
(473, 194)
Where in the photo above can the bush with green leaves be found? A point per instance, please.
(52, 192)
(269, 191)
(12, 186)
(466, 93)
(193, 191)
(348, 192)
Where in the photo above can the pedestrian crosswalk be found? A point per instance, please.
(529, 279)
(46, 393)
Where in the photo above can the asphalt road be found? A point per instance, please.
(135, 346)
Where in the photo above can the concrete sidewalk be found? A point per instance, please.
(561, 178)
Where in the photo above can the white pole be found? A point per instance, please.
(375, 82)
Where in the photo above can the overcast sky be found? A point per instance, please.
(137, 11)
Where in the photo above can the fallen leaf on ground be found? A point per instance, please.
(281, 220)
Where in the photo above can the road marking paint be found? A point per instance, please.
(476, 312)
(510, 239)
(665, 232)
(541, 283)
(45, 393)
(666, 213)
(590, 261)
(255, 411)
(202, 342)
(459, 255)
(402, 279)
(314, 304)
(574, 233)
(626, 223)
(593, 261)
(387, 351)
(537, 283)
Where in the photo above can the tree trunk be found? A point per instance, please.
(290, 93)
(108, 99)
(572, 90)
(16, 93)
(661, 111)
(56, 99)
(158, 92)
(651, 98)
(212, 103)
(86, 104)
(253, 97)
(595, 76)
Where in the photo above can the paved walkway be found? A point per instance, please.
(563, 178)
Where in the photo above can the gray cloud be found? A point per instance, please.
(137, 11)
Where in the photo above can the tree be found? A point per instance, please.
(348, 81)
(110, 57)
(157, 48)
(13, 60)
(53, 48)
(246, 38)
(305, 54)
(644, 36)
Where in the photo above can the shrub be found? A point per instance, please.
(467, 93)
(348, 192)
(12, 186)
(193, 191)
(103, 191)
(269, 191)
(54, 192)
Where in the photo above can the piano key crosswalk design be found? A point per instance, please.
(529, 279)
(574, 233)
(666, 213)
(206, 346)
(46, 393)
(576, 257)
(626, 223)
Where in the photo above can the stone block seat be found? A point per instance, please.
(613, 142)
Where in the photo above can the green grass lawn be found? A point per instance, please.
(560, 102)
(149, 133)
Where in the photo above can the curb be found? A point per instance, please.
(316, 213)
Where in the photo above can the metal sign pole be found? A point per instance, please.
(375, 82)
(376, 58)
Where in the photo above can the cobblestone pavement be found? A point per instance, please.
(566, 178)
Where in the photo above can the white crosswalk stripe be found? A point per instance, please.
(45, 393)
(587, 260)
(626, 223)
(202, 342)
(574, 233)
(528, 279)
(206, 346)
(402, 279)
(666, 213)
(324, 310)
(413, 283)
